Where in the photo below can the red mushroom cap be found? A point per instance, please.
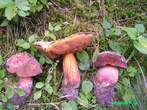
(26, 85)
(112, 59)
(24, 65)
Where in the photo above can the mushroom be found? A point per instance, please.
(108, 65)
(24, 66)
(67, 47)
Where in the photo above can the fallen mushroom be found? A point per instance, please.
(66, 47)
(108, 65)
(24, 66)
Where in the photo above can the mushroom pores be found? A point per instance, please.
(104, 84)
(107, 74)
(26, 85)
(71, 81)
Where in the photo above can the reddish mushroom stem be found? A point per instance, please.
(71, 80)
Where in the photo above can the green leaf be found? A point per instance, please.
(23, 13)
(71, 105)
(57, 28)
(4, 98)
(140, 28)
(48, 79)
(87, 86)
(2, 73)
(10, 106)
(1, 60)
(126, 82)
(95, 54)
(49, 61)
(10, 93)
(132, 32)
(50, 27)
(22, 43)
(143, 41)
(84, 60)
(5, 3)
(33, 2)
(1, 82)
(39, 85)
(22, 5)
(32, 38)
(116, 47)
(85, 65)
(128, 95)
(83, 100)
(48, 88)
(50, 35)
(20, 92)
(1, 107)
(11, 11)
(132, 71)
(25, 45)
(82, 56)
(37, 95)
(4, 23)
(106, 24)
(140, 47)
(42, 60)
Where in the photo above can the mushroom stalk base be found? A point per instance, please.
(26, 85)
(71, 81)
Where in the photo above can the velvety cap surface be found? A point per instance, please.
(111, 59)
(71, 44)
(23, 64)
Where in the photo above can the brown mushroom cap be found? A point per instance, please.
(112, 59)
(23, 64)
(71, 44)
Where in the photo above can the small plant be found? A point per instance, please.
(23, 8)
(137, 35)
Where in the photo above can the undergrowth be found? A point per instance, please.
(122, 29)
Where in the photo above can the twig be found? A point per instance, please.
(133, 17)
(40, 104)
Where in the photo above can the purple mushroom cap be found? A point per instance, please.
(111, 59)
(24, 65)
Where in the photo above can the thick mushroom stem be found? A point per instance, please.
(26, 85)
(71, 80)
(104, 83)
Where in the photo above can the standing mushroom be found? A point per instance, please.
(108, 65)
(67, 47)
(24, 66)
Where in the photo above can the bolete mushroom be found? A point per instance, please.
(24, 66)
(67, 47)
(108, 65)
